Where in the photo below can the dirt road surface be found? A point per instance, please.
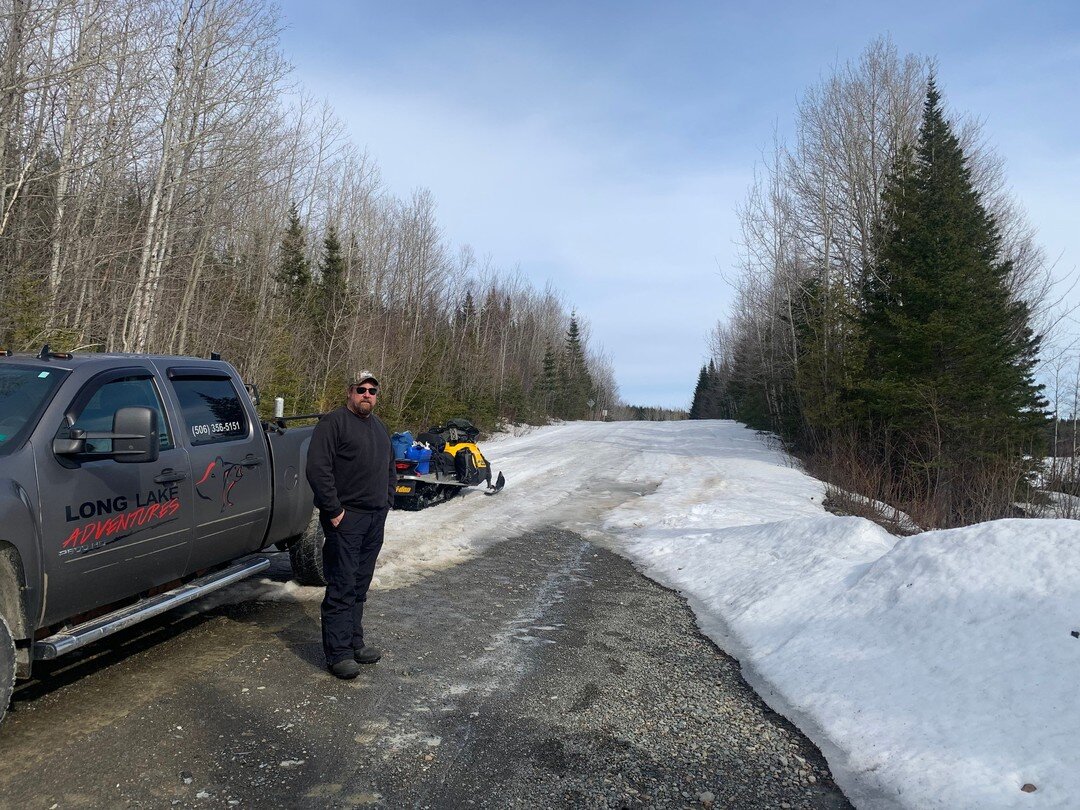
(545, 673)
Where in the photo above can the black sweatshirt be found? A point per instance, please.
(350, 464)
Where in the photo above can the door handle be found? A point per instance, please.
(251, 461)
(168, 475)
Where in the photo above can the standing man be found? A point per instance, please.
(350, 467)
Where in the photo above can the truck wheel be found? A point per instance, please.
(306, 556)
(7, 665)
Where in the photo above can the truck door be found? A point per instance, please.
(230, 468)
(112, 530)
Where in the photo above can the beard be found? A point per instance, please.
(365, 408)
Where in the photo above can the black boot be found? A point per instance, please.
(346, 669)
(367, 655)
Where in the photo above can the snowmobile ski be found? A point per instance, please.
(500, 482)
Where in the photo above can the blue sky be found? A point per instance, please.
(604, 146)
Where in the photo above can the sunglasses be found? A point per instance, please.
(363, 389)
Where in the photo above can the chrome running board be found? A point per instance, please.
(79, 636)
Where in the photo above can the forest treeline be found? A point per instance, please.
(890, 302)
(165, 190)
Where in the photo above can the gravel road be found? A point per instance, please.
(545, 673)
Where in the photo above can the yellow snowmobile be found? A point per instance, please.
(441, 463)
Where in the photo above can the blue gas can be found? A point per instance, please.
(421, 455)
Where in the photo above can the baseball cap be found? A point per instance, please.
(364, 376)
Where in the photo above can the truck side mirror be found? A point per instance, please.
(69, 442)
(135, 435)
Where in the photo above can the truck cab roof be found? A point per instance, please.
(71, 361)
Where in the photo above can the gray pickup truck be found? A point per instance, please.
(130, 484)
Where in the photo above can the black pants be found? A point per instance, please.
(349, 561)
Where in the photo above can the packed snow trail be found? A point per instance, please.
(934, 671)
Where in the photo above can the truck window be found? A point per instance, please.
(24, 393)
(212, 409)
(126, 392)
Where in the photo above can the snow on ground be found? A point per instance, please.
(937, 670)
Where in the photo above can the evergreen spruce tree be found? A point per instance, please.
(293, 274)
(713, 392)
(725, 406)
(697, 405)
(466, 313)
(950, 354)
(550, 388)
(331, 273)
(577, 385)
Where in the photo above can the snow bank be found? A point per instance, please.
(937, 670)
(947, 671)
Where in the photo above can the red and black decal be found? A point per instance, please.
(98, 533)
(230, 474)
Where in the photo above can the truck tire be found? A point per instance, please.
(7, 665)
(306, 556)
